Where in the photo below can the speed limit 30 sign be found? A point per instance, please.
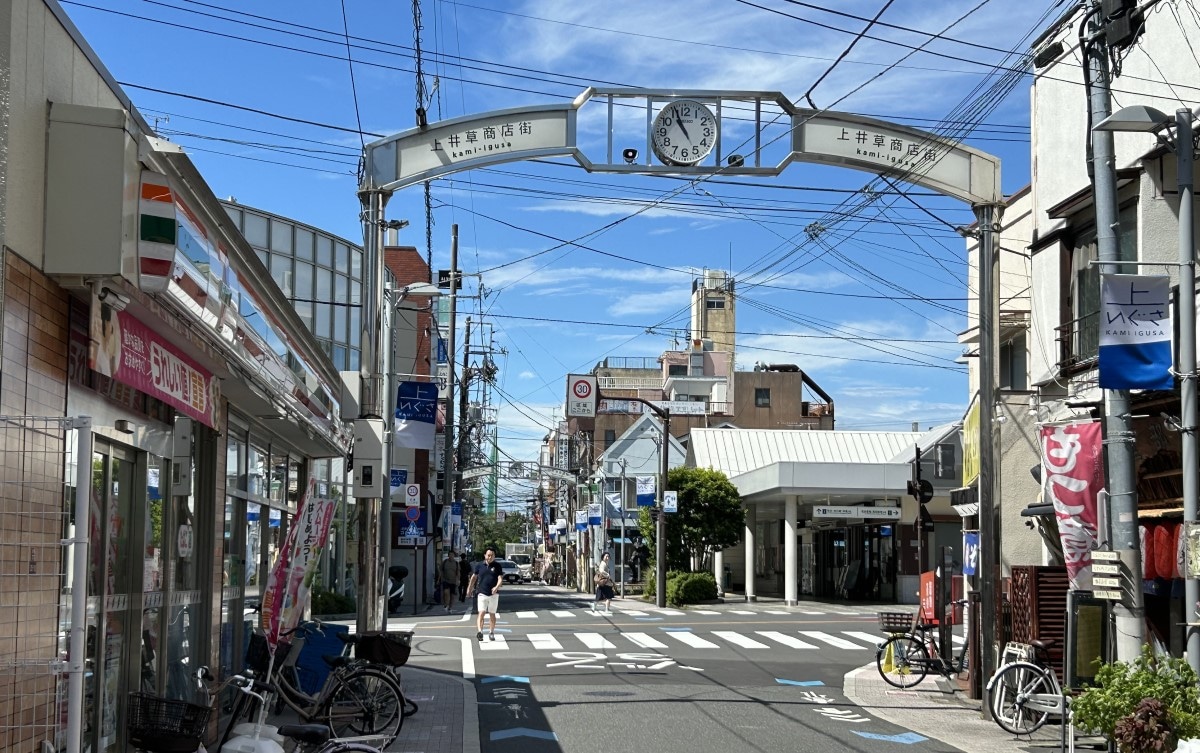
(581, 395)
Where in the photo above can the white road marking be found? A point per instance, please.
(691, 639)
(562, 613)
(738, 639)
(633, 612)
(741, 611)
(594, 640)
(872, 639)
(543, 641)
(775, 611)
(809, 613)
(497, 645)
(671, 612)
(785, 639)
(526, 615)
(645, 641)
(832, 640)
(704, 611)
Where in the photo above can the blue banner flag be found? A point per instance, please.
(645, 491)
(416, 413)
(1135, 333)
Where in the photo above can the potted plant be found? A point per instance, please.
(1144, 706)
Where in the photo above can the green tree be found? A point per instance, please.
(710, 518)
(485, 532)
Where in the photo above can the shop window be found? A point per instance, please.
(762, 397)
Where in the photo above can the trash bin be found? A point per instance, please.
(726, 577)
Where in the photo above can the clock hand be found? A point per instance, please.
(680, 122)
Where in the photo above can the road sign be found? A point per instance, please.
(1106, 568)
(483, 470)
(581, 396)
(1105, 555)
(412, 495)
(670, 501)
(1100, 582)
(1102, 594)
(444, 279)
(412, 513)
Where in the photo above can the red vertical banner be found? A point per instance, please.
(1072, 477)
(928, 597)
(290, 581)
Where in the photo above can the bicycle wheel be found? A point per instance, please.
(1010, 690)
(902, 661)
(365, 702)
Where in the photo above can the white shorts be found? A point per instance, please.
(487, 603)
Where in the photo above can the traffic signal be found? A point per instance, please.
(921, 490)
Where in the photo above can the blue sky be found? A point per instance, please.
(871, 312)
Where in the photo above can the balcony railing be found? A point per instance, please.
(629, 383)
(1078, 341)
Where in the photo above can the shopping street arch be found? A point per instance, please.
(760, 123)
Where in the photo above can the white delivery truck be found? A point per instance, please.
(523, 555)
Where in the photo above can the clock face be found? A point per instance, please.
(684, 132)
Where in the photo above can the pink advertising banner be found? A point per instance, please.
(290, 582)
(124, 348)
(1072, 477)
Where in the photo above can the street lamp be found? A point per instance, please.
(1143, 119)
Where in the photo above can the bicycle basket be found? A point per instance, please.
(258, 655)
(895, 622)
(161, 725)
(381, 647)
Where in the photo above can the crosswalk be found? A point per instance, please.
(567, 610)
(668, 638)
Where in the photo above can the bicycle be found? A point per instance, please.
(307, 738)
(912, 652)
(166, 725)
(1025, 691)
(356, 700)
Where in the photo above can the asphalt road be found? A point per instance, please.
(710, 678)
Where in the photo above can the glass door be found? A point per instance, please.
(110, 650)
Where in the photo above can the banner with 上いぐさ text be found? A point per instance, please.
(646, 489)
(1135, 333)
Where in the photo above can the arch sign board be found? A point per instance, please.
(819, 136)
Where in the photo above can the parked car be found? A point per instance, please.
(512, 573)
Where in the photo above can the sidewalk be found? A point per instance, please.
(447, 721)
(933, 710)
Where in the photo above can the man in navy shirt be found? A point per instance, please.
(485, 582)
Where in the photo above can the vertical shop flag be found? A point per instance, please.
(416, 412)
(1072, 476)
(1135, 333)
(290, 582)
(593, 512)
(970, 552)
(645, 491)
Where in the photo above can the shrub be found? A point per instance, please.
(1114, 707)
(331, 602)
(690, 588)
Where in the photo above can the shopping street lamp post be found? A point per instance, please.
(1140, 118)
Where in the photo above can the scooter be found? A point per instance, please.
(396, 576)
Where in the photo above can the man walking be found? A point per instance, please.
(485, 583)
(448, 573)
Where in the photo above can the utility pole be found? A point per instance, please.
(460, 459)
(370, 467)
(448, 467)
(1118, 426)
(660, 530)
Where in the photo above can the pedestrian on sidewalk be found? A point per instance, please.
(485, 583)
(448, 575)
(604, 586)
(464, 576)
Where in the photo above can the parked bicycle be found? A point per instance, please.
(1025, 691)
(306, 738)
(357, 699)
(912, 652)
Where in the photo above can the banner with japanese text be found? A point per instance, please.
(1072, 477)
(123, 348)
(416, 414)
(290, 582)
(1135, 333)
(646, 489)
